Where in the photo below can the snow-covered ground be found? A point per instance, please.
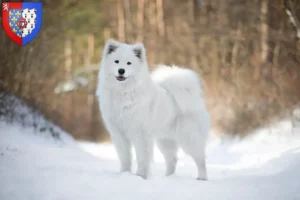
(39, 161)
(264, 166)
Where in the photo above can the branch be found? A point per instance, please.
(293, 18)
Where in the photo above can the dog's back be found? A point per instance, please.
(184, 86)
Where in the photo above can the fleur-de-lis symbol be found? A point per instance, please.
(14, 19)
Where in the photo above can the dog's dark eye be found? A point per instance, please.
(116, 61)
(128, 63)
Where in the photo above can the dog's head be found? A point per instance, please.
(124, 63)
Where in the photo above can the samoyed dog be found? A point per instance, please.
(139, 108)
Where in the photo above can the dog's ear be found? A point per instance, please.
(110, 47)
(139, 51)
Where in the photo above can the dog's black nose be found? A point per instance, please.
(121, 71)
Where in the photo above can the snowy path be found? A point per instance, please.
(35, 168)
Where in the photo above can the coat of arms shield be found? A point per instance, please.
(22, 21)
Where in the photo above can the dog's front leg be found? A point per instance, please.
(123, 148)
(144, 153)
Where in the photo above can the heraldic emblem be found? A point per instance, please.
(22, 21)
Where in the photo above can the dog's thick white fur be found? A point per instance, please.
(140, 108)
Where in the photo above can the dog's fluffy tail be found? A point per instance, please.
(183, 84)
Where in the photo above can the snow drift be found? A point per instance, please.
(15, 112)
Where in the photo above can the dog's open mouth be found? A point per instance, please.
(121, 78)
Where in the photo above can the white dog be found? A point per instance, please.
(139, 108)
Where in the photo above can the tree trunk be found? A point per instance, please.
(160, 18)
(264, 31)
(264, 36)
(121, 21)
(67, 106)
(68, 58)
(140, 20)
(91, 86)
(128, 21)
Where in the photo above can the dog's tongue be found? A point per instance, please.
(121, 78)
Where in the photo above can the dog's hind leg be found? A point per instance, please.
(199, 159)
(169, 150)
(196, 149)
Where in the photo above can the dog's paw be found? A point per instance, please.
(201, 179)
(125, 169)
(169, 173)
(142, 175)
(142, 172)
(124, 172)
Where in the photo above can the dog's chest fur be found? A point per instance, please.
(126, 111)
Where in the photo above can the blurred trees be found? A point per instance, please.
(34, 71)
(246, 51)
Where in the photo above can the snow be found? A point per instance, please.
(263, 166)
(15, 112)
(71, 85)
(36, 164)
